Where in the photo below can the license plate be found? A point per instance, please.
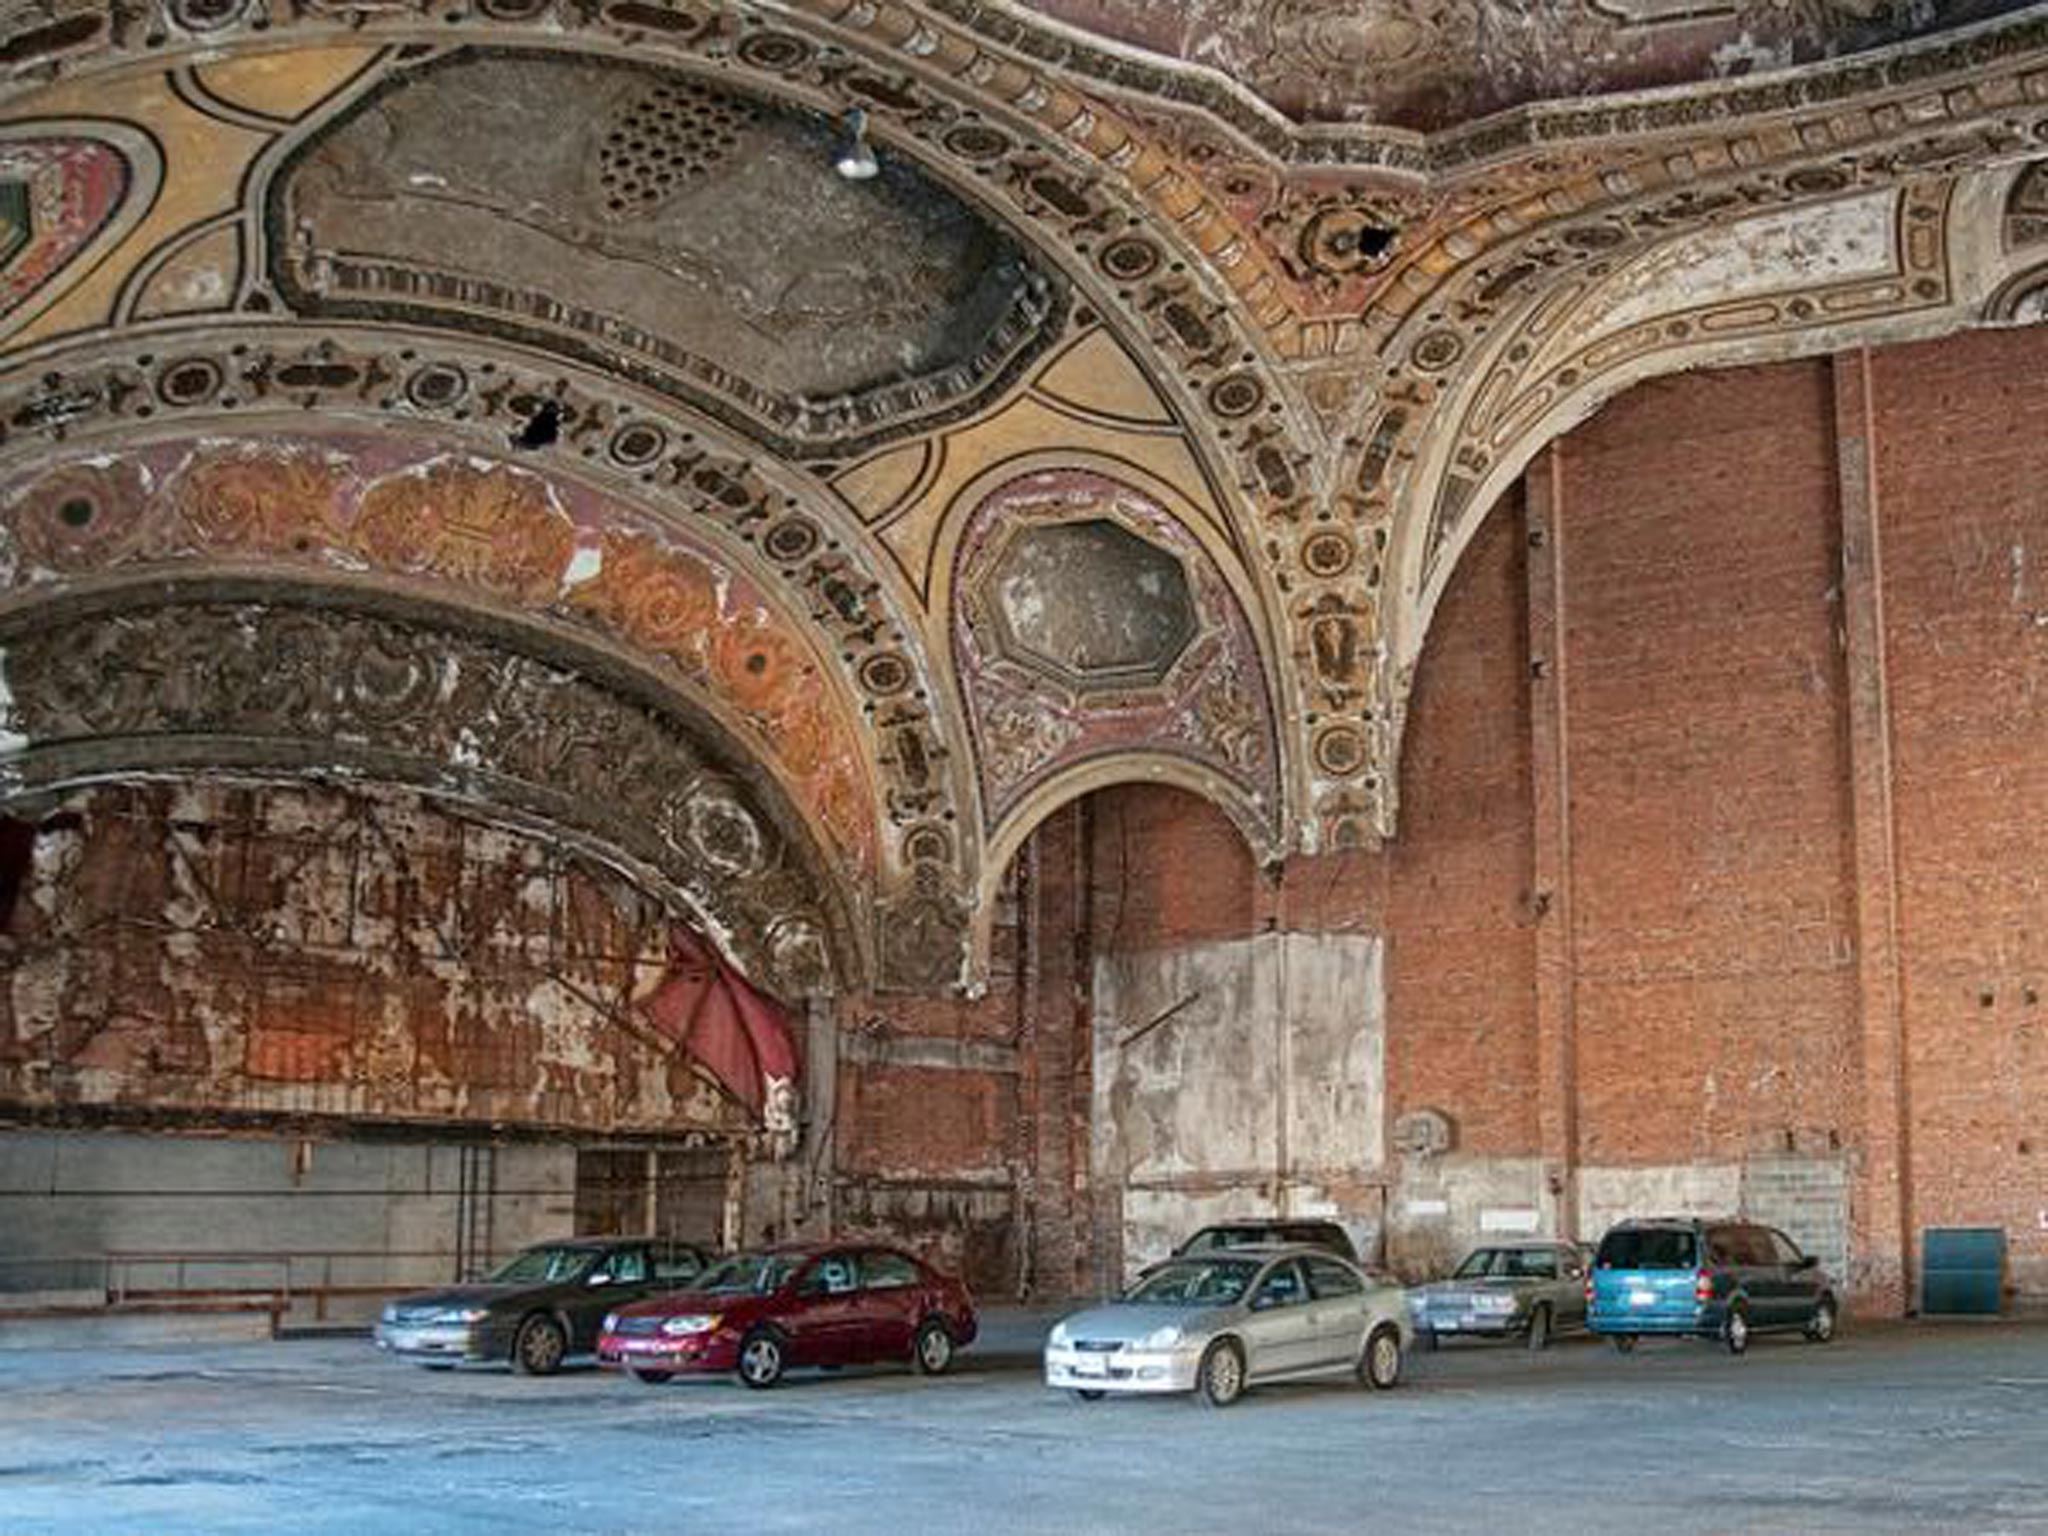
(1448, 1325)
(641, 1347)
(1642, 1298)
(1090, 1365)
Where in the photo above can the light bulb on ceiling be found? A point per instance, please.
(854, 158)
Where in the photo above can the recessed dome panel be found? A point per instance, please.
(697, 238)
(1092, 604)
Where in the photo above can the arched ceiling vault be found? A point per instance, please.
(1292, 289)
(136, 677)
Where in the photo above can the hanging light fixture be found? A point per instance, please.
(853, 157)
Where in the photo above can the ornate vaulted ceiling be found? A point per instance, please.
(504, 400)
(1434, 64)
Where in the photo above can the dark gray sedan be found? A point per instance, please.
(1530, 1290)
(539, 1307)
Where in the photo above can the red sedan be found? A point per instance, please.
(758, 1314)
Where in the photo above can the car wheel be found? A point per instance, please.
(1539, 1328)
(539, 1347)
(1625, 1342)
(1220, 1376)
(1735, 1332)
(1380, 1366)
(761, 1359)
(1086, 1394)
(931, 1352)
(1822, 1328)
(652, 1378)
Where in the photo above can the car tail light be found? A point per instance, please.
(1703, 1286)
(1589, 1287)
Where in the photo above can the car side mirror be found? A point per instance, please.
(1264, 1302)
(600, 1277)
(1807, 1261)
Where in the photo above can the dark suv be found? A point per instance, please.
(1264, 1231)
(1712, 1279)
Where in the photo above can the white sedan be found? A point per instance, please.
(1218, 1323)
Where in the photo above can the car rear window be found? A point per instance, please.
(1648, 1248)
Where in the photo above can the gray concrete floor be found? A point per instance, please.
(1928, 1428)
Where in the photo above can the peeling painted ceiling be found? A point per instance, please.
(1433, 64)
(791, 545)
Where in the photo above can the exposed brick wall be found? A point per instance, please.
(916, 1124)
(960, 1124)
(1461, 1021)
(1962, 476)
(1711, 943)
(1168, 869)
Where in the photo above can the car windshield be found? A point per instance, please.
(1508, 1264)
(1195, 1283)
(1479, 1263)
(748, 1274)
(1648, 1248)
(544, 1266)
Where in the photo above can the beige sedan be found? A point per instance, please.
(1215, 1324)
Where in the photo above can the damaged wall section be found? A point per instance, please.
(223, 950)
(1236, 1078)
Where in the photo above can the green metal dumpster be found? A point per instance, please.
(1962, 1270)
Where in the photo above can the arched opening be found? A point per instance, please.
(1171, 1031)
(344, 947)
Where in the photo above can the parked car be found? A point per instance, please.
(1259, 1232)
(1532, 1290)
(758, 1314)
(539, 1307)
(1216, 1323)
(1722, 1280)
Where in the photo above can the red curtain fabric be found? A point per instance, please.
(742, 1036)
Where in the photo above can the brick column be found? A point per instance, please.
(1881, 1220)
(1550, 785)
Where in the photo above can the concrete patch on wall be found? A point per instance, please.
(1804, 1196)
(1608, 1195)
(1244, 1077)
(1443, 1206)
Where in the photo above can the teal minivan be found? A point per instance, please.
(1722, 1280)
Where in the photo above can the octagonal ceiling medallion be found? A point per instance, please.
(1089, 604)
(1090, 625)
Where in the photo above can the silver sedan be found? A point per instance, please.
(1218, 1323)
(1531, 1289)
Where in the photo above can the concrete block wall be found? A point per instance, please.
(345, 1213)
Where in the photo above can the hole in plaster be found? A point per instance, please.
(543, 427)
